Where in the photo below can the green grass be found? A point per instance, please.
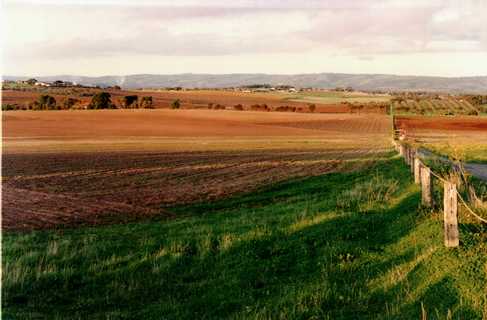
(333, 97)
(472, 152)
(296, 250)
(434, 107)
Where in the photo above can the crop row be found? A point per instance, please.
(435, 107)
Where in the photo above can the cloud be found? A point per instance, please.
(48, 30)
(392, 30)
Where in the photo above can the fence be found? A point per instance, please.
(423, 176)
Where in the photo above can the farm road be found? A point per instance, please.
(478, 170)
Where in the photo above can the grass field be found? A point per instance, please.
(467, 150)
(435, 107)
(335, 97)
(337, 246)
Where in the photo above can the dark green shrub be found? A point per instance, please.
(47, 102)
(101, 101)
(176, 104)
(70, 102)
(146, 102)
(130, 101)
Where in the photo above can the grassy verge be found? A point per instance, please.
(338, 246)
(474, 152)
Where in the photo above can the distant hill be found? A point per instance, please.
(317, 80)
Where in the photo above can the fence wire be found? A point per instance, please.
(469, 210)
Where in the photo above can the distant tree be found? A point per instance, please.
(146, 102)
(259, 107)
(176, 104)
(46, 102)
(8, 107)
(31, 81)
(101, 100)
(257, 86)
(58, 83)
(70, 102)
(130, 101)
(312, 107)
(238, 107)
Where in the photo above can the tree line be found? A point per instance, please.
(101, 100)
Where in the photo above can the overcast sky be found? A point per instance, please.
(414, 37)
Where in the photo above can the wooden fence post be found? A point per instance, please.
(450, 210)
(402, 150)
(426, 187)
(473, 197)
(417, 170)
(412, 154)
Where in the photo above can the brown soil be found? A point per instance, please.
(57, 190)
(50, 187)
(442, 123)
(179, 123)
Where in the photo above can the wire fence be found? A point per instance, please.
(423, 176)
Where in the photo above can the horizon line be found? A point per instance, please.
(240, 73)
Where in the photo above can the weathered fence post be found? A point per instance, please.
(411, 159)
(402, 151)
(426, 187)
(450, 209)
(473, 197)
(417, 170)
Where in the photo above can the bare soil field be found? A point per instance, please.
(446, 124)
(52, 190)
(29, 131)
(70, 168)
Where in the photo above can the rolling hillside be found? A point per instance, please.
(319, 80)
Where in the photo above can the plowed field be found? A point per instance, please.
(70, 168)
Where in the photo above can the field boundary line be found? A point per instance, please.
(422, 176)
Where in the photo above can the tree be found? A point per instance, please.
(176, 104)
(312, 107)
(70, 102)
(46, 102)
(31, 81)
(146, 102)
(101, 100)
(130, 101)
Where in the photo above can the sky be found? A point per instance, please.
(121, 37)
